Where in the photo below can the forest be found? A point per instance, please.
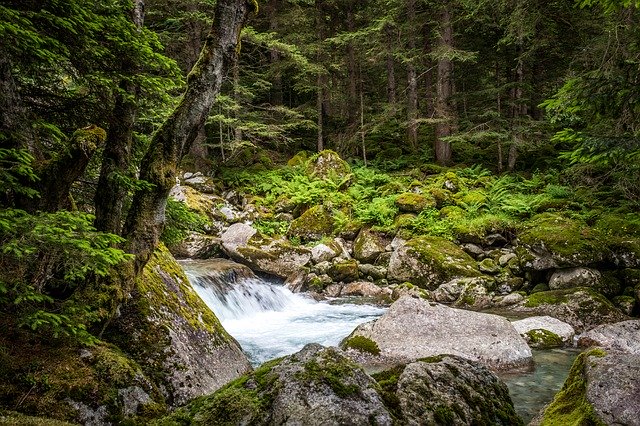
(477, 156)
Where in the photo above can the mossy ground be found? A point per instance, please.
(570, 406)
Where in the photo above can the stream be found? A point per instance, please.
(269, 321)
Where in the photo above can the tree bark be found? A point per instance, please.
(13, 118)
(277, 97)
(412, 80)
(443, 108)
(391, 73)
(173, 139)
(116, 157)
(320, 79)
(351, 66)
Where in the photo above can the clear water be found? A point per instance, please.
(270, 321)
(533, 390)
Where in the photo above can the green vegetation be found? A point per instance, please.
(362, 344)
(544, 339)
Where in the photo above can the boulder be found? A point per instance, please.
(429, 261)
(408, 289)
(574, 277)
(582, 308)
(489, 266)
(373, 271)
(602, 389)
(450, 390)
(468, 292)
(316, 386)
(368, 246)
(169, 330)
(410, 202)
(197, 246)
(313, 224)
(413, 328)
(345, 270)
(323, 253)
(545, 332)
(364, 288)
(327, 164)
(237, 235)
(621, 337)
(626, 304)
(199, 182)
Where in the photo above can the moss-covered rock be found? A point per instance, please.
(313, 224)
(489, 266)
(582, 307)
(345, 270)
(299, 159)
(368, 246)
(410, 202)
(543, 339)
(327, 164)
(430, 261)
(314, 386)
(626, 304)
(176, 338)
(362, 344)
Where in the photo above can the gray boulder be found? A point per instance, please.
(574, 277)
(467, 292)
(545, 331)
(316, 386)
(449, 390)
(368, 246)
(413, 328)
(323, 253)
(622, 336)
(602, 388)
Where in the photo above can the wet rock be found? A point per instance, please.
(316, 386)
(620, 337)
(574, 277)
(413, 328)
(545, 332)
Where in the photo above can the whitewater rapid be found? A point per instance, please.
(268, 320)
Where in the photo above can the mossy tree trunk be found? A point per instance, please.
(445, 88)
(173, 139)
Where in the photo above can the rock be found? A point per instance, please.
(602, 388)
(323, 253)
(333, 290)
(508, 300)
(169, 330)
(296, 282)
(368, 246)
(626, 304)
(582, 308)
(470, 292)
(408, 289)
(200, 183)
(554, 241)
(450, 390)
(574, 277)
(473, 250)
(313, 224)
(545, 332)
(413, 328)
(373, 271)
(489, 266)
(363, 288)
(197, 246)
(429, 261)
(620, 337)
(237, 235)
(505, 258)
(328, 165)
(410, 202)
(346, 270)
(316, 386)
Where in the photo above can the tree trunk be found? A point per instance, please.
(13, 120)
(412, 80)
(518, 109)
(320, 81)
(237, 129)
(116, 157)
(353, 77)
(274, 57)
(173, 139)
(444, 110)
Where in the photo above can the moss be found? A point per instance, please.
(314, 224)
(472, 198)
(299, 159)
(362, 344)
(551, 297)
(413, 203)
(327, 164)
(452, 213)
(442, 197)
(443, 257)
(331, 370)
(570, 406)
(443, 415)
(432, 359)
(346, 270)
(404, 220)
(544, 339)
(388, 382)
(13, 418)
(489, 266)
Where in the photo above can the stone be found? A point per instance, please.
(316, 386)
(505, 258)
(413, 328)
(626, 304)
(197, 246)
(602, 388)
(373, 271)
(620, 337)
(363, 288)
(450, 390)
(430, 261)
(574, 277)
(410, 202)
(313, 224)
(473, 250)
(327, 164)
(408, 289)
(464, 291)
(174, 336)
(237, 235)
(322, 253)
(488, 266)
(545, 332)
(582, 308)
(508, 300)
(296, 282)
(346, 270)
(368, 246)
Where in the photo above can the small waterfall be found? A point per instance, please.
(267, 319)
(241, 298)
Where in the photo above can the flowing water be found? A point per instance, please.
(270, 321)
